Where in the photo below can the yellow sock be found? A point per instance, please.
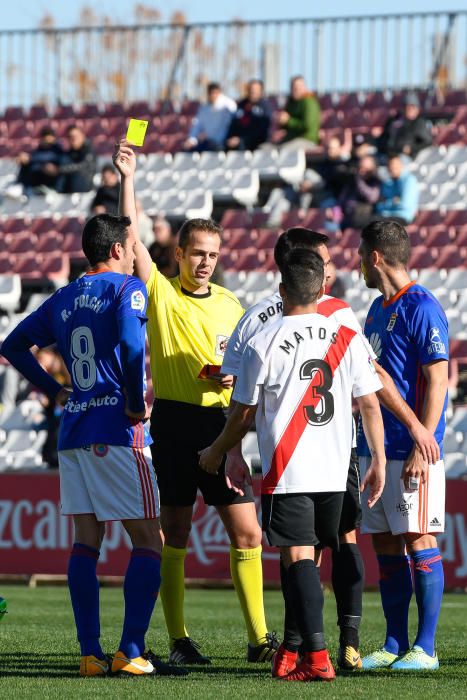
(247, 576)
(172, 590)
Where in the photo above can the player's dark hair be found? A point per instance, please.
(390, 239)
(191, 225)
(100, 233)
(297, 237)
(302, 275)
(213, 86)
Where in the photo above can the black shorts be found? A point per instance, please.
(302, 519)
(179, 431)
(351, 517)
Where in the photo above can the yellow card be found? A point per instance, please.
(136, 131)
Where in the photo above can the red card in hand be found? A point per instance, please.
(208, 371)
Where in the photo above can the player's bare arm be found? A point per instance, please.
(436, 375)
(237, 471)
(374, 432)
(234, 430)
(393, 401)
(124, 160)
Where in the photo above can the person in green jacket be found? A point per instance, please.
(301, 115)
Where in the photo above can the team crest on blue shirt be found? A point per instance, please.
(100, 450)
(392, 322)
(137, 300)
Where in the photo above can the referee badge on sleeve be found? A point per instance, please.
(221, 344)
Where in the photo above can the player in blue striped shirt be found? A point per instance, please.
(408, 331)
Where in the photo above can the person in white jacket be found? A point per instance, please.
(211, 124)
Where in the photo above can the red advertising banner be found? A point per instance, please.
(36, 539)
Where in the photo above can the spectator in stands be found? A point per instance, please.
(107, 195)
(361, 193)
(406, 133)
(399, 193)
(79, 163)
(40, 169)
(327, 177)
(320, 187)
(162, 251)
(301, 116)
(252, 121)
(212, 122)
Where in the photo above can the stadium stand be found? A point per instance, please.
(40, 237)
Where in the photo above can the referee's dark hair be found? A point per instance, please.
(99, 235)
(297, 237)
(390, 239)
(191, 225)
(302, 276)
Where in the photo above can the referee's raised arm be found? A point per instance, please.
(125, 161)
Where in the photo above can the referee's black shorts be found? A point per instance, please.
(351, 517)
(180, 431)
(302, 519)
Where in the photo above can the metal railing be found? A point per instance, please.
(148, 62)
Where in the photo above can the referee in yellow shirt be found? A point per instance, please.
(190, 321)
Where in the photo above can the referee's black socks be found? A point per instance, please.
(306, 596)
(348, 575)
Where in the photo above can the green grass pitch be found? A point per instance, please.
(39, 655)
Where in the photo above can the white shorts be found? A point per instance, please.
(111, 481)
(399, 511)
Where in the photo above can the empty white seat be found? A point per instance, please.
(456, 279)
(198, 205)
(237, 160)
(459, 420)
(436, 175)
(432, 279)
(10, 292)
(8, 166)
(234, 279)
(291, 166)
(259, 281)
(211, 160)
(265, 161)
(452, 440)
(191, 181)
(245, 187)
(183, 162)
(155, 162)
(456, 155)
(26, 441)
(430, 156)
(455, 464)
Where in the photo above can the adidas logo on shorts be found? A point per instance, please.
(435, 522)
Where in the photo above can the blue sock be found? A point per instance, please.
(141, 588)
(429, 586)
(396, 591)
(84, 594)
